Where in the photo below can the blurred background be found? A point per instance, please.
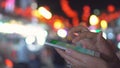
(25, 26)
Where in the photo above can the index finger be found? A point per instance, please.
(77, 29)
(80, 56)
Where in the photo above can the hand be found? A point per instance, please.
(93, 41)
(78, 60)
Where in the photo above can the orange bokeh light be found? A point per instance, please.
(8, 63)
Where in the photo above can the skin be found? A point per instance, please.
(92, 41)
(79, 60)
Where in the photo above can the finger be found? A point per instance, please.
(84, 35)
(77, 29)
(79, 56)
(65, 56)
(88, 44)
(87, 39)
(104, 48)
(87, 59)
(69, 58)
(79, 60)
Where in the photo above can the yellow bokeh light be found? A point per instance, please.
(45, 13)
(58, 24)
(94, 20)
(35, 13)
(103, 24)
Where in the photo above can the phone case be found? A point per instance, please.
(64, 46)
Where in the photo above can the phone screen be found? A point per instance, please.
(65, 45)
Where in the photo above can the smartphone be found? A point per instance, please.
(64, 45)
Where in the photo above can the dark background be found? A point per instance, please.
(77, 5)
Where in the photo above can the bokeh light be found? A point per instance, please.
(95, 31)
(111, 8)
(110, 35)
(86, 8)
(86, 13)
(96, 11)
(94, 20)
(118, 37)
(9, 63)
(118, 22)
(30, 39)
(34, 5)
(104, 35)
(32, 47)
(104, 24)
(118, 45)
(45, 13)
(62, 33)
(58, 24)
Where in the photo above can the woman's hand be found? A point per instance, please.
(78, 60)
(92, 41)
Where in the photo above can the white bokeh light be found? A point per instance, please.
(111, 35)
(118, 45)
(33, 48)
(62, 33)
(30, 39)
(104, 35)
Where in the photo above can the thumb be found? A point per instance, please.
(104, 47)
(102, 44)
(99, 36)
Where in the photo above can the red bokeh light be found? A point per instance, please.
(8, 63)
(111, 8)
(86, 8)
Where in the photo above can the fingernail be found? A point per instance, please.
(76, 34)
